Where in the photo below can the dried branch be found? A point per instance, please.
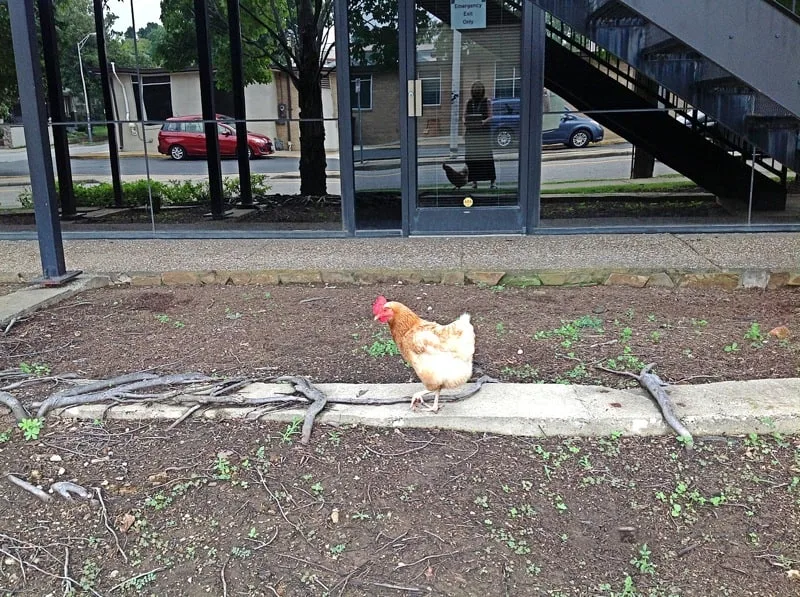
(40, 494)
(65, 489)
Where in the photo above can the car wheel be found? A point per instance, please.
(177, 152)
(504, 138)
(249, 153)
(579, 138)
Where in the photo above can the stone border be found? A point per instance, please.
(726, 280)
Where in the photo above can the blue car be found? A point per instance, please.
(574, 130)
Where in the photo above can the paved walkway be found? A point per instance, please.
(755, 259)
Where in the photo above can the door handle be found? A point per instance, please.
(414, 88)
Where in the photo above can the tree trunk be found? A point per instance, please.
(312, 140)
(312, 127)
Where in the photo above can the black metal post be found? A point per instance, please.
(239, 109)
(209, 113)
(346, 166)
(37, 142)
(108, 106)
(56, 100)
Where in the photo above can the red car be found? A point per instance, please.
(184, 136)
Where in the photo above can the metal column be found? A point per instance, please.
(346, 166)
(209, 113)
(56, 101)
(239, 108)
(530, 151)
(34, 116)
(108, 104)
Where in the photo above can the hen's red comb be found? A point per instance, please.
(377, 306)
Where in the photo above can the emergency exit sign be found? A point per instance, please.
(468, 14)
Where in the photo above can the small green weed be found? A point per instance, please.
(5, 436)
(291, 430)
(31, 428)
(230, 314)
(520, 372)
(37, 369)
(382, 346)
(731, 348)
(337, 550)
(642, 561)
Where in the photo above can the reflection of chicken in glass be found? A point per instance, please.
(477, 137)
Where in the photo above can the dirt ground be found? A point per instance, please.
(244, 509)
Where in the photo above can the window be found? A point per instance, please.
(431, 89)
(362, 99)
(157, 96)
(507, 81)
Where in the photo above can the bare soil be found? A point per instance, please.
(243, 509)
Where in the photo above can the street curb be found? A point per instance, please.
(528, 410)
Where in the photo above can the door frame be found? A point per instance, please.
(519, 219)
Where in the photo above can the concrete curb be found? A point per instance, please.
(28, 300)
(531, 410)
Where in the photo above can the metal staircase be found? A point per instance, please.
(657, 120)
(735, 61)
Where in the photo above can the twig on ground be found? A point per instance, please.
(108, 526)
(222, 576)
(655, 386)
(185, 416)
(403, 453)
(42, 495)
(314, 299)
(280, 506)
(66, 581)
(19, 411)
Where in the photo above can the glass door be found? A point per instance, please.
(464, 99)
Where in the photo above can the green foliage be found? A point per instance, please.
(31, 428)
(382, 346)
(139, 192)
(37, 369)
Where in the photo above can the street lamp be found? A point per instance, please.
(83, 82)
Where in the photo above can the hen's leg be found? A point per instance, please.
(418, 396)
(435, 407)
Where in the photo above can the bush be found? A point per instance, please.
(136, 193)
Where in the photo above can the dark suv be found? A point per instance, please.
(574, 130)
(184, 136)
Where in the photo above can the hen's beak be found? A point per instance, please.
(375, 318)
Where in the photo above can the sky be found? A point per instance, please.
(145, 11)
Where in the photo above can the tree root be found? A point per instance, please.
(655, 386)
(15, 406)
(318, 402)
(209, 392)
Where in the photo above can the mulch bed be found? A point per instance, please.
(235, 508)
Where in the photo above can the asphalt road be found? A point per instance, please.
(379, 171)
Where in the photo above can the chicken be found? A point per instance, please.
(441, 355)
(457, 178)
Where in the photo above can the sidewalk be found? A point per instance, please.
(757, 260)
